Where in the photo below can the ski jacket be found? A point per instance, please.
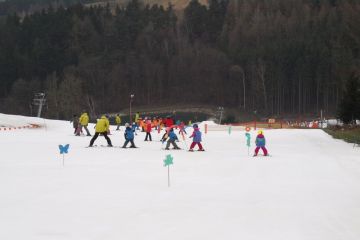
(148, 127)
(260, 140)
(196, 135)
(129, 134)
(141, 123)
(172, 136)
(102, 125)
(84, 119)
(117, 120)
(169, 122)
(107, 124)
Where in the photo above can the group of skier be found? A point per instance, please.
(81, 122)
(102, 127)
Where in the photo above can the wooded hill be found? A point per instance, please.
(273, 56)
(30, 6)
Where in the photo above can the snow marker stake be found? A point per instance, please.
(64, 150)
(167, 162)
(248, 138)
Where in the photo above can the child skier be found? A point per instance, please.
(148, 130)
(172, 138)
(196, 135)
(129, 136)
(101, 127)
(260, 143)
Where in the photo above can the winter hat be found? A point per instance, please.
(195, 126)
(127, 124)
(260, 132)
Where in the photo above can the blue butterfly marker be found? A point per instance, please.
(167, 162)
(64, 150)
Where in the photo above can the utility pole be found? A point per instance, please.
(131, 99)
(321, 118)
(220, 111)
(39, 100)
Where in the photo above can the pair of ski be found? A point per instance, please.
(268, 155)
(196, 151)
(169, 149)
(182, 149)
(106, 146)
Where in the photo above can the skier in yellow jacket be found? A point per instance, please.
(83, 122)
(118, 121)
(101, 127)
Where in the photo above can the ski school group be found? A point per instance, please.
(102, 127)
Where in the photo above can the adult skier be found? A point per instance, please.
(84, 121)
(101, 127)
(118, 122)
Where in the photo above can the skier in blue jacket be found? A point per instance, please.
(171, 140)
(129, 136)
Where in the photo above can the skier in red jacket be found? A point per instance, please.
(148, 127)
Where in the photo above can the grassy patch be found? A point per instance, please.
(351, 135)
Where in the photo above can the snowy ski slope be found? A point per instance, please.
(309, 189)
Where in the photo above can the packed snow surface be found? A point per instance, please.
(308, 189)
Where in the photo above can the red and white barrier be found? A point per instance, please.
(21, 127)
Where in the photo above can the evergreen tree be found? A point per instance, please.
(350, 104)
(195, 21)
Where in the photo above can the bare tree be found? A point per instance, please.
(261, 70)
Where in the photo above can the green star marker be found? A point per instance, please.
(168, 160)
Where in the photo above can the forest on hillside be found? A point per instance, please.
(273, 56)
(29, 6)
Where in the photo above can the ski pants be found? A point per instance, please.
(97, 134)
(262, 148)
(80, 129)
(127, 141)
(148, 135)
(173, 143)
(194, 143)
